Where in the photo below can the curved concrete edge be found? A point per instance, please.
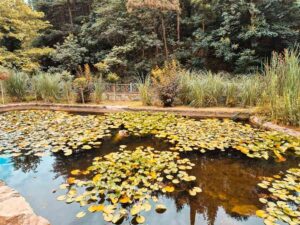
(236, 113)
(271, 126)
(14, 210)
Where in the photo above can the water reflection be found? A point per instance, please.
(26, 163)
(228, 182)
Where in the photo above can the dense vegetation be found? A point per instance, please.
(131, 36)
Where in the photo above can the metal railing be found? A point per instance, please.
(121, 91)
(131, 88)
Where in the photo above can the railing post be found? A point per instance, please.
(114, 90)
(130, 87)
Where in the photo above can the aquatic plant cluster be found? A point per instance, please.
(128, 181)
(36, 132)
(282, 199)
(210, 134)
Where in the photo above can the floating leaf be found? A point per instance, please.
(75, 172)
(140, 219)
(61, 198)
(80, 214)
(160, 208)
(169, 188)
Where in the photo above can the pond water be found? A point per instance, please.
(228, 180)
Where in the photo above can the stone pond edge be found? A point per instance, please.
(14, 210)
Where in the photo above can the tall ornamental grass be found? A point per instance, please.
(47, 87)
(282, 93)
(99, 86)
(16, 85)
(145, 91)
(205, 89)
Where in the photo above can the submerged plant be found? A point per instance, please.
(281, 198)
(126, 183)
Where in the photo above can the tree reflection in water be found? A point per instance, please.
(228, 180)
(229, 183)
(26, 163)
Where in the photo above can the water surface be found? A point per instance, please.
(228, 181)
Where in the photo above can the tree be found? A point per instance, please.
(243, 33)
(66, 16)
(69, 54)
(161, 5)
(19, 26)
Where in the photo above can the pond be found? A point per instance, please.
(228, 180)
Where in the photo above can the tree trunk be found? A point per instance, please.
(164, 35)
(70, 13)
(82, 95)
(178, 28)
(2, 92)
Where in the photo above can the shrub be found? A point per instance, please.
(112, 77)
(166, 82)
(4, 74)
(83, 88)
(16, 85)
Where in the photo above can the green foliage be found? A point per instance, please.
(83, 88)
(47, 87)
(69, 55)
(283, 90)
(112, 77)
(205, 89)
(145, 91)
(242, 33)
(165, 81)
(99, 89)
(16, 85)
(19, 26)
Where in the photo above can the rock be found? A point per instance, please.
(14, 210)
(271, 126)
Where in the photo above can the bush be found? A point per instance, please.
(166, 82)
(16, 85)
(83, 88)
(47, 87)
(4, 74)
(112, 77)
